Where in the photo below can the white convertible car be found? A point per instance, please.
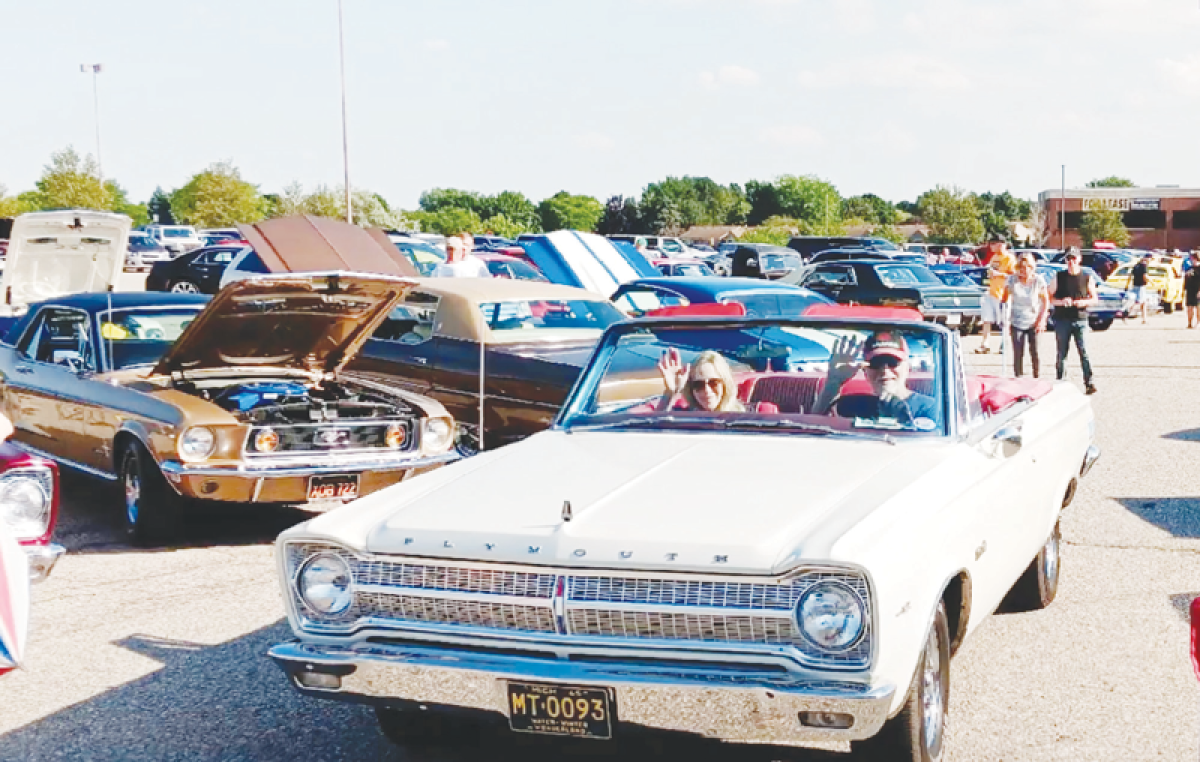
(786, 548)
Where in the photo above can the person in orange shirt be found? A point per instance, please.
(1001, 264)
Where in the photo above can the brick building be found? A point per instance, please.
(1157, 218)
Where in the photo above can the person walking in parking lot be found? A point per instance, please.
(1000, 266)
(1026, 294)
(458, 263)
(1191, 290)
(1074, 291)
(1139, 282)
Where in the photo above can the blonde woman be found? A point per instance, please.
(706, 384)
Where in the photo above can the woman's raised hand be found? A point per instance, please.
(674, 372)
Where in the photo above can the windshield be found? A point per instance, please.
(141, 336)
(899, 276)
(774, 261)
(670, 245)
(954, 278)
(517, 315)
(785, 376)
(177, 232)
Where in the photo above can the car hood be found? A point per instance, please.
(313, 322)
(67, 252)
(653, 500)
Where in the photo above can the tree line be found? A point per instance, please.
(774, 210)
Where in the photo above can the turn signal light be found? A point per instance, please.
(266, 441)
(396, 436)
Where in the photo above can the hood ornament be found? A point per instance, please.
(567, 515)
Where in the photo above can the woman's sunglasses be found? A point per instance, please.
(714, 384)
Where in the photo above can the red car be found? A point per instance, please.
(503, 266)
(29, 496)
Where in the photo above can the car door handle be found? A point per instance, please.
(23, 369)
(421, 360)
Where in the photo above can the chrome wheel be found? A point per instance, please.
(1050, 560)
(133, 494)
(184, 287)
(932, 699)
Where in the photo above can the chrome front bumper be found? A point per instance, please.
(749, 706)
(42, 559)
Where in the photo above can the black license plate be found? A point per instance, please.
(560, 710)
(332, 487)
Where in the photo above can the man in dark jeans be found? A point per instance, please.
(1139, 282)
(1073, 292)
(1191, 289)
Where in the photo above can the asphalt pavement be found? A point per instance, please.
(139, 655)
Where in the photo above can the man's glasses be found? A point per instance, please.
(884, 361)
(713, 384)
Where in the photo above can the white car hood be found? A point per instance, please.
(647, 500)
(67, 252)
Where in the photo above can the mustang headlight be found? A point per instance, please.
(831, 616)
(26, 501)
(324, 584)
(197, 443)
(439, 432)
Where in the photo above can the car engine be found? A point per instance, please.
(286, 402)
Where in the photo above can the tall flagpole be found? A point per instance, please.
(345, 137)
(95, 69)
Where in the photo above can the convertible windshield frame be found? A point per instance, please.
(574, 414)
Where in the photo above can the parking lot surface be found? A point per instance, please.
(161, 655)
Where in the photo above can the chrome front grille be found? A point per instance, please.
(585, 605)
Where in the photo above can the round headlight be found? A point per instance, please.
(831, 616)
(266, 440)
(197, 442)
(24, 505)
(324, 584)
(438, 434)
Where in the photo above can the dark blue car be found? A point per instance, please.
(761, 298)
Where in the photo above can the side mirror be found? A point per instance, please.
(1008, 440)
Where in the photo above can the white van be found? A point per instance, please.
(177, 239)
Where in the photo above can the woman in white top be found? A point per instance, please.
(1029, 301)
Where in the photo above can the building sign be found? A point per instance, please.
(1144, 204)
(1100, 204)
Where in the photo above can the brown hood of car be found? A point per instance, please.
(297, 244)
(314, 322)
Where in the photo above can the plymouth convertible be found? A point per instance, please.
(241, 399)
(715, 536)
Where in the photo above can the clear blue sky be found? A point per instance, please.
(884, 96)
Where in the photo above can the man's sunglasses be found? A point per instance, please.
(714, 384)
(884, 361)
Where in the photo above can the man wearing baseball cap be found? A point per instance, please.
(1001, 264)
(885, 365)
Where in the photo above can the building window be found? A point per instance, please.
(1145, 219)
(1072, 219)
(1186, 220)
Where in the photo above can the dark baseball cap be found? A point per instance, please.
(885, 343)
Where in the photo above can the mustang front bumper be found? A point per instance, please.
(286, 481)
(748, 706)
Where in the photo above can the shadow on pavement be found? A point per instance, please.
(1178, 515)
(230, 702)
(1182, 603)
(90, 520)
(1186, 435)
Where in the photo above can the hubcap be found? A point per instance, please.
(1050, 559)
(133, 497)
(931, 692)
(185, 287)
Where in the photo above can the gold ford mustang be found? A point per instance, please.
(240, 399)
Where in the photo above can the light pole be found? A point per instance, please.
(95, 69)
(345, 138)
(1062, 211)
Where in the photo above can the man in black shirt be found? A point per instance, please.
(1191, 290)
(1139, 282)
(1073, 292)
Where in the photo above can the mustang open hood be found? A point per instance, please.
(67, 252)
(314, 322)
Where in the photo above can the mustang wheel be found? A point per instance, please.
(152, 509)
(1038, 586)
(917, 733)
(184, 287)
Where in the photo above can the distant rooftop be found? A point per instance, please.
(1159, 191)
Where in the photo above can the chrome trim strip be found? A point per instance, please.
(42, 559)
(175, 469)
(64, 461)
(454, 595)
(704, 699)
(1089, 459)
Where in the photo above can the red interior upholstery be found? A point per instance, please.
(731, 309)
(995, 393)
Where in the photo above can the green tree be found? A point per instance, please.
(678, 203)
(890, 233)
(807, 198)
(518, 210)
(218, 197)
(450, 221)
(10, 206)
(1103, 225)
(70, 181)
(767, 234)
(159, 208)
(1112, 181)
(437, 199)
(621, 215)
(869, 208)
(563, 211)
(501, 225)
(951, 214)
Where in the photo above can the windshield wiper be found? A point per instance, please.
(808, 428)
(644, 422)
